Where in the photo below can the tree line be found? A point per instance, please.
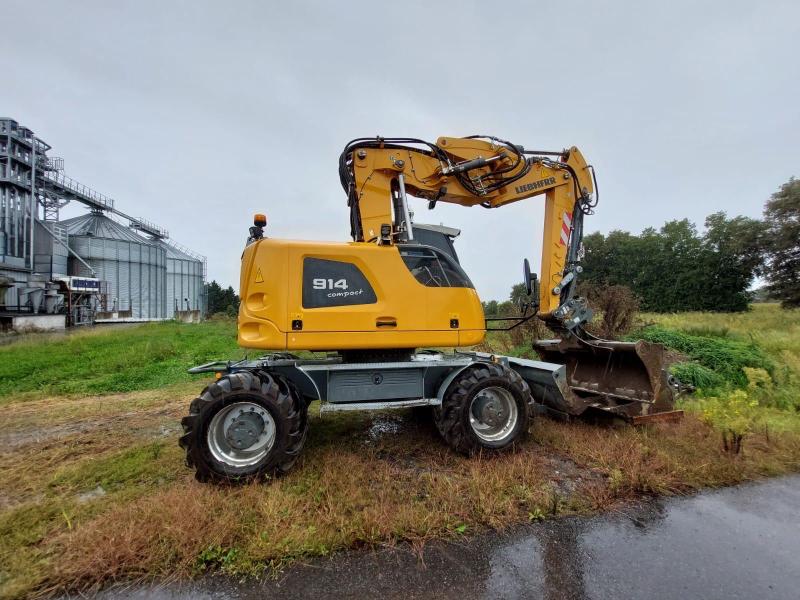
(222, 300)
(679, 267)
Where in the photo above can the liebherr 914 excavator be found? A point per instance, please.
(376, 303)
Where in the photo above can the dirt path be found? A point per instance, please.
(56, 418)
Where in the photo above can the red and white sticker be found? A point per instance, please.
(566, 226)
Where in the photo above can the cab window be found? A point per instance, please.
(433, 268)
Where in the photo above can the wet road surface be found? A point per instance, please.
(741, 542)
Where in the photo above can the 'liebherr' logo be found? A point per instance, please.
(529, 187)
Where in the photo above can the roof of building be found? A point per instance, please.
(98, 225)
(176, 253)
(448, 231)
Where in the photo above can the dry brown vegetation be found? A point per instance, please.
(112, 500)
(616, 306)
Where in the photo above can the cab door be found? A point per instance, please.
(353, 295)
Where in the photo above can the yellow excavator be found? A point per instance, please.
(378, 305)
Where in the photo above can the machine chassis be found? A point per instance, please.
(421, 380)
(478, 401)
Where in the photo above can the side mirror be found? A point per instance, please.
(527, 276)
(531, 286)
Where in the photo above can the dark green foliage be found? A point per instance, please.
(677, 268)
(521, 335)
(782, 215)
(697, 375)
(493, 308)
(508, 308)
(490, 308)
(225, 301)
(519, 295)
(763, 294)
(724, 357)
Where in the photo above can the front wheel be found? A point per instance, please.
(486, 406)
(244, 426)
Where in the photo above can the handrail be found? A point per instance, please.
(147, 226)
(186, 250)
(78, 188)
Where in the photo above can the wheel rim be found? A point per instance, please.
(493, 414)
(241, 434)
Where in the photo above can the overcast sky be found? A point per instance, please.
(196, 114)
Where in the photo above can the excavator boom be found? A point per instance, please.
(470, 172)
(378, 174)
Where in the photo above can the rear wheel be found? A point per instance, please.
(486, 406)
(243, 426)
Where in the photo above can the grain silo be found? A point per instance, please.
(185, 289)
(134, 268)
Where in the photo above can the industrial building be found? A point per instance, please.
(102, 266)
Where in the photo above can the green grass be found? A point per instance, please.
(138, 465)
(101, 361)
(724, 357)
(697, 375)
(745, 366)
(775, 330)
(722, 346)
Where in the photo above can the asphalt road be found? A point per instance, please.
(741, 542)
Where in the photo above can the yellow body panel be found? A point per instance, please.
(271, 289)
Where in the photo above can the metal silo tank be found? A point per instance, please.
(134, 267)
(185, 279)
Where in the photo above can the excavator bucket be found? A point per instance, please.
(625, 379)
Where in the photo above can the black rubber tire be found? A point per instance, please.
(277, 395)
(452, 417)
(422, 414)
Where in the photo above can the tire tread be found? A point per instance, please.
(449, 417)
(271, 388)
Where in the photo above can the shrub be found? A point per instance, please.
(758, 380)
(524, 334)
(616, 305)
(734, 414)
(725, 357)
